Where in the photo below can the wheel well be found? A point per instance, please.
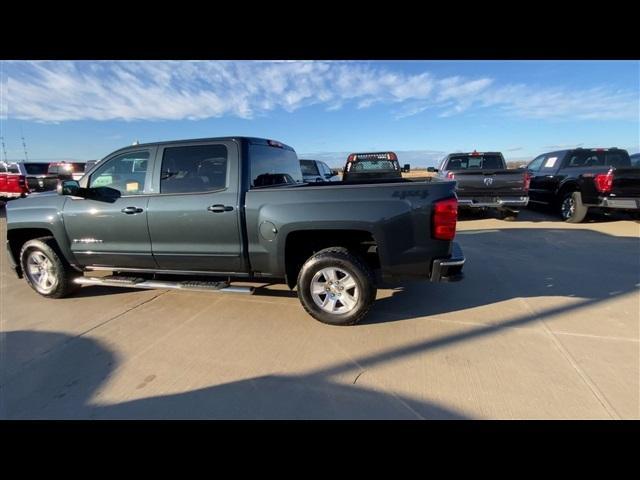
(17, 238)
(564, 189)
(303, 244)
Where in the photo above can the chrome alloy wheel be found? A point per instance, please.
(334, 290)
(41, 272)
(568, 207)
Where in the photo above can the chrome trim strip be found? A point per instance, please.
(151, 284)
(168, 272)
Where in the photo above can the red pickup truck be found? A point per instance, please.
(12, 183)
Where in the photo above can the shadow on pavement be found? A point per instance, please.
(64, 379)
(538, 263)
(61, 383)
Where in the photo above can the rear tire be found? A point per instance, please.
(508, 215)
(336, 287)
(572, 210)
(45, 270)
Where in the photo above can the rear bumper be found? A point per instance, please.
(621, 203)
(11, 195)
(448, 269)
(493, 202)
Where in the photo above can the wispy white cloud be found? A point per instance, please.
(169, 90)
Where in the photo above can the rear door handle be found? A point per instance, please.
(131, 210)
(219, 208)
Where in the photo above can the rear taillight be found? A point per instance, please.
(22, 183)
(450, 175)
(527, 181)
(604, 182)
(445, 216)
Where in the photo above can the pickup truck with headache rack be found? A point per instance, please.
(178, 214)
(483, 181)
(577, 180)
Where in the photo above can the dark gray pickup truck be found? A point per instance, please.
(177, 214)
(483, 181)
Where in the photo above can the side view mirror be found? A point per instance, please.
(68, 187)
(432, 169)
(407, 167)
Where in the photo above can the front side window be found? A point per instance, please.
(126, 173)
(192, 169)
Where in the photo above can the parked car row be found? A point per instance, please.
(18, 179)
(572, 181)
(168, 214)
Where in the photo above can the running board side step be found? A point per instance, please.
(132, 282)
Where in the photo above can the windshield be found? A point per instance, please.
(475, 162)
(36, 168)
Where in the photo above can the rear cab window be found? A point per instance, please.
(309, 167)
(36, 168)
(273, 164)
(597, 158)
(475, 162)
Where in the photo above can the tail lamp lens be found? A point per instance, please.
(445, 217)
(604, 182)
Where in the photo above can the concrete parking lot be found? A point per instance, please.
(545, 325)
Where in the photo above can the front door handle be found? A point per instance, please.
(131, 210)
(219, 208)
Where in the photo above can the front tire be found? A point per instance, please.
(336, 287)
(45, 270)
(572, 210)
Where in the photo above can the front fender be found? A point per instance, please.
(42, 212)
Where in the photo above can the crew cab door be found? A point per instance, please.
(113, 234)
(194, 219)
(538, 184)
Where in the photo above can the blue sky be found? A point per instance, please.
(420, 109)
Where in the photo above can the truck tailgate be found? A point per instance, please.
(626, 182)
(490, 183)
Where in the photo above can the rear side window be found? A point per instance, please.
(271, 166)
(126, 173)
(3, 168)
(197, 168)
(480, 162)
(309, 167)
(13, 168)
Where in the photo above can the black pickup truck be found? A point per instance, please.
(483, 181)
(163, 215)
(574, 181)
